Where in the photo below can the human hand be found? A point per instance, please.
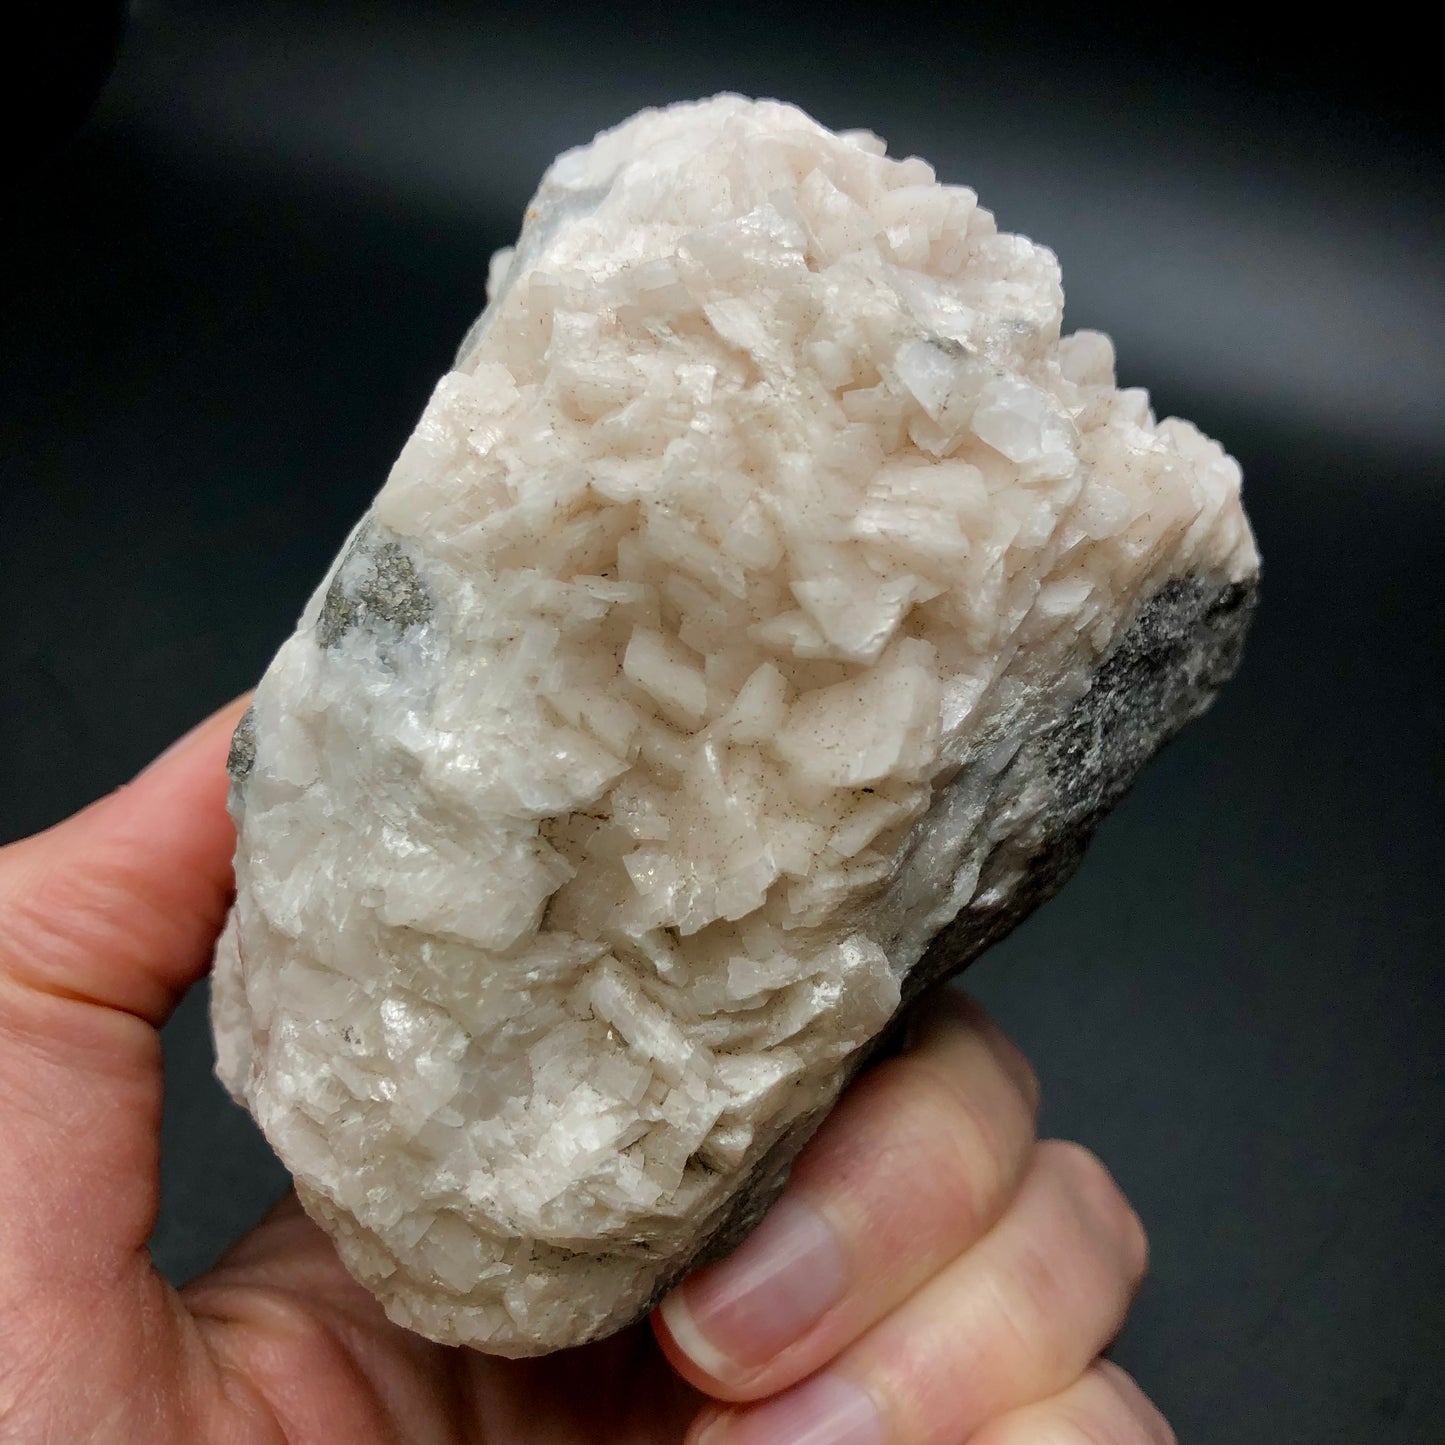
(931, 1276)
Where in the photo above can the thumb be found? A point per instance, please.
(119, 906)
(105, 920)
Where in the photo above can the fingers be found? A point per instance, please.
(1104, 1404)
(120, 905)
(1015, 1319)
(913, 1167)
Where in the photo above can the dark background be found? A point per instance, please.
(228, 291)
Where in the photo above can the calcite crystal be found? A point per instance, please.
(766, 608)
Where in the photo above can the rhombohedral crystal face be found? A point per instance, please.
(765, 609)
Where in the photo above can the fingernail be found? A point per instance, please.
(733, 1316)
(826, 1410)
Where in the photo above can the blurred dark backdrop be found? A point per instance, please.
(231, 281)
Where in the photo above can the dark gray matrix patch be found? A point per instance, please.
(375, 586)
(242, 757)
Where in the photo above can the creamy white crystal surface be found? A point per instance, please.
(689, 674)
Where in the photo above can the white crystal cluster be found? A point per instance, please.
(588, 833)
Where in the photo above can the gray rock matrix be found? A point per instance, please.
(767, 608)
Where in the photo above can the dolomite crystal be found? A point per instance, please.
(764, 611)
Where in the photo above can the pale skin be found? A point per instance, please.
(934, 1276)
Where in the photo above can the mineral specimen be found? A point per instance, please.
(766, 608)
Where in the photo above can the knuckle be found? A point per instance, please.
(979, 1147)
(1136, 1245)
(1088, 1172)
(1014, 1063)
(1100, 1425)
(1026, 1341)
(1104, 1203)
(1135, 1404)
(960, 1024)
(1022, 1080)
